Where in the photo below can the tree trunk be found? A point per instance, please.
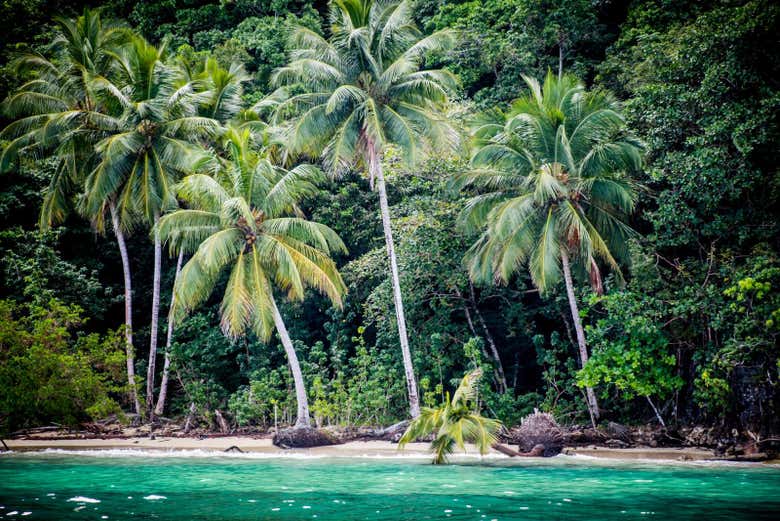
(491, 343)
(655, 410)
(155, 318)
(160, 407)
(560, 60)
(375, 168)
(593, 406)
(300, 389)
(130, 356)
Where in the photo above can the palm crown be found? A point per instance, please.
(555, 175)
(455, 422)
(245, 219)
(57, 111)
(365, 87)
(150, 142)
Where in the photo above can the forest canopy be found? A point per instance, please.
(329, 212)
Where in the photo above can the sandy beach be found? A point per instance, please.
(353, 448)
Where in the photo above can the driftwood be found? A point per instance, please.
(536, 452)
(5, 447)
(190, 418)
(36, 430)
(233, 448)
(224, 428)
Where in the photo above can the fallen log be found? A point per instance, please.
(536, 452)
(233, 448)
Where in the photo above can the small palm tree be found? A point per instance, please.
(246, 220)
(555, 173)
(151, 144)
(454, 423)
(366, 89)
(58, 114)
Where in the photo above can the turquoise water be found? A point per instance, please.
(120, 485)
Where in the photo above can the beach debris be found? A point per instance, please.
(538, 428)
(536, 452)
(303, 437)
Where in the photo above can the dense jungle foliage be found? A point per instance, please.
(679, 304)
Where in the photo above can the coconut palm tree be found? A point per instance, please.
(366, 89)
(244, 219)
(455, 423)
(218, 95)
(58, 114)
(555, 175)
(151, 145)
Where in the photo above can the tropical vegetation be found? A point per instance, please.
(579, 199)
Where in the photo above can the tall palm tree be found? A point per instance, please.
(152, 144)
(555, 173)
(58, 114)
(366, 89)
(245, 220)
(218, 93)
(454, 423)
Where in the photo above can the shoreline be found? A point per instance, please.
(349, 449)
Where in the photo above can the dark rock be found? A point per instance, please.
(303, 438)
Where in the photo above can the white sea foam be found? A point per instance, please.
(201, 453)
(154, 497)
(83, 499)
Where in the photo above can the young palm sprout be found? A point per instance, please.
(454, 423)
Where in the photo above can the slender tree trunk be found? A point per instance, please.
(474, 333)
(375, 167)
(593, 406)
(130, 357)
(491, 342)
(300, 388)
(160, 407)
(155, 319)
(560, 60)
(655, 410)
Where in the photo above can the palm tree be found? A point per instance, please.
(455, 423)
(218, 92)
(556, 179)
(366, 89)
(58, 114)
(151, 145)
(245, 220)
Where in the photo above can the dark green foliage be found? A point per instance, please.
(48, 374)
(694, 328)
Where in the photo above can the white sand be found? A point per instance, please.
(353, 448)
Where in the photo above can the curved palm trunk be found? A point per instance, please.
(593, 406)
(130, 356)
(302, 420)
(375, 168)
(155, 319)
(160, 407)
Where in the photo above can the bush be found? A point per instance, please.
(47, 375)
